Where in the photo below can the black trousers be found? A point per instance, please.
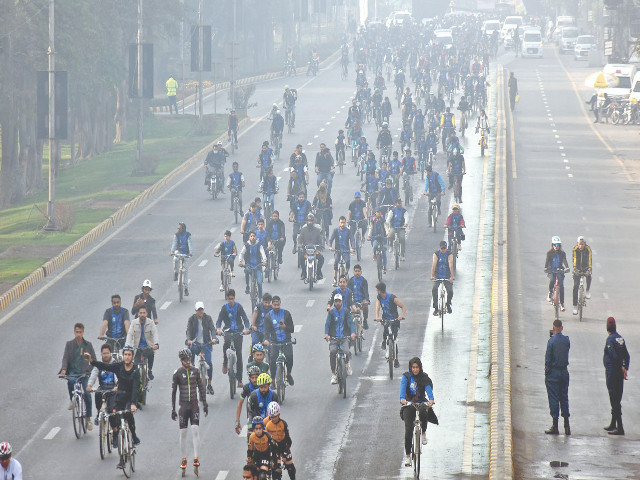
(409, 417)
(615, 385)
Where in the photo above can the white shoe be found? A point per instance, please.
(549, 299)
(588, 294)
(70, 407)
(386, 354)
(575, 311)
(562, 307)
(349, 371)
(89, 424)
(424, 438)
(403, 259)
(233, 274)
(407, 461)
(221, 288)
(334, 379)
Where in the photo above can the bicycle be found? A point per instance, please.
(361, 167)
(359, 330)
(342, 263)
(442, 301)
(289, 119)
(182, 270)
(378, 248)
(279, 381)
(582, 297)
(433, 211)
(454, 244)
(276, 141)
(78, 407)
(344, 73)
(233, 140)
(392, 346)
(142, 362)
(397, 247)
(358, 237)
(422, 164)
(273, 267)
(236, 204)
(201, 363)
(340, 159)
(416, 447)
(555, 296)
(267, 202)
(321, 217)
(232, 357)
(341, 366)
(408, 188)
(126, 448)
(105, 434)
(253, 285)
(213, 185)
(226, 274)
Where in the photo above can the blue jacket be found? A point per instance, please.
(616, 354)
(557, 355)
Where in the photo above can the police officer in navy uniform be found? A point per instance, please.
(616, 363)
(556, 377)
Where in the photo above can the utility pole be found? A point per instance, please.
(140, 91)
(182, 53)
(200, 60)
(233, 59)
(51, 222)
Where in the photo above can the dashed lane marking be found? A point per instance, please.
(52, 433)
(243, 432)
(165, 305)
(322, 129)
(203, 263)
(310, 302)
(601, 279)
(222, 474)
(310, 143)
(570, 175)
(605, 295)
(297, 328)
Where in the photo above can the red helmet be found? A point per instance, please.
(5, 449)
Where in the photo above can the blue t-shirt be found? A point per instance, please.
(143, 340)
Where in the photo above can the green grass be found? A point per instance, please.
(106, 181)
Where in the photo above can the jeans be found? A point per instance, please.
(196, 349)
(333, 350)
(328, 178)
(552, 283)
(87, 396)
(273, 356)
(340, 254)
(576, 286)
(258, 273)
(238, 344)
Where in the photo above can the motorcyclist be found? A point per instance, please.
(214, 164)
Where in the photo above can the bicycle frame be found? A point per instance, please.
(341, 368)
(281, 368)
(126, 448)
(78, 410)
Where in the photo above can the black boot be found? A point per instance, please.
(567, 428)
(612, 426)
(619, 430)
(553, 429)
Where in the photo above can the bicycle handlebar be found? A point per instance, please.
(77, 378)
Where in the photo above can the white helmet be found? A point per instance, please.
(146, 283)
(275, 105)
(278, 111)
(273, 409)
(555, 239)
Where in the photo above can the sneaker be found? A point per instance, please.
(290, 379)
(334, 379)
(407, 461)
(186, 292)
(436, 312)
(183, 465)
(588, 294)
(119, 465)
(240, 384)
(196, 462)
(89, 423)
(549, 299)
(562, 309)
(334, 283)
(365, 325)
(424, 438)
(136, 440)
(575, 311)
(294, 250)
(374, 258)
(403, 259)
(320, 276)
(224, 369)
(210, 389)
(221, 288)
(449, 308)
(383, 345)
(175, 276)
(70, 406)
(95, 420)
(396, 363)
(384, 270)
(349, 371)
(151, 377)
(233, 274)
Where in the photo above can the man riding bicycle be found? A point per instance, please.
(434, 185)
(289, 99)
(201, 334)
(338, 327)
(278, 327)
(456, 168)
(344, 246)
(252, 257)
(387, 309)
(581, 266)
(235, 321)
(115, 323)
(265, 159)
(232, 127)
(455, 224)
(269, 187)
(277, 126)
(447, 122)
(442, 271)
(143, 334)
(235, 181)
(357, 214)
(384, 140)
(398, 223)
(182, 245)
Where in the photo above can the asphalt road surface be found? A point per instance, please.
(357, 437)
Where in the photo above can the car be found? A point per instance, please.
(532, 43)
(398, 17)
(507, 36)
(444, 36)
(509, 24)
(625, 73)
(584, 45)
(568, 37)
(489, 26)
(561, 22)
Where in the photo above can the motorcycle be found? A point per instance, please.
(313, 66)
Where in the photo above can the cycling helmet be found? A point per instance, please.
(5, 447)
(184, 355)
(286, 87)
(357, 195)
(264, 379)
(311, 217)
(253, 370)
(385, 124)
(555, 239)
(455, 206)
(400, 71)
(220, 142)
(273, 409)
(258, 348)
(388, 180)
(146, 283)
(257, 420)
(128, 347)
(278, 112)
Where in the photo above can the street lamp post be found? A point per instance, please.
(140, 91)
(51, 222)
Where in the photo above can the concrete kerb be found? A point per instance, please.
(90, 237)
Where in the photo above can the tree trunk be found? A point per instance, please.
(120, 117)
(9, 172)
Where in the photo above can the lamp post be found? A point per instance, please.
(51, 222)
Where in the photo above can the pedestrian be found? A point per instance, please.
(172, 93)
(556, 377)
(513, 89)
(593, 103)
(616, 363)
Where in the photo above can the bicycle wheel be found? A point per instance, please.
(556, 303)
(125, 453)
(392, 352)
(435, 218)
(344, 380)
(454, 253)
(379, 265)
(103, 439)
(442, 307)
(236, 210)
(396, 252)
(144, 381)
(581, 302)
(359, 245)
(482, 147)
(232, 384)
(180, 287)
(280, 383)
(132, 455)
(76, 416)
(416, 450)
(268, 270)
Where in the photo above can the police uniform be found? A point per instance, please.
(616, 356)
(556, 360)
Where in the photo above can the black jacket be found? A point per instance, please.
(209, 332)
(279, 226)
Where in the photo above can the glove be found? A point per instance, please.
(174, 415)
(205, 409)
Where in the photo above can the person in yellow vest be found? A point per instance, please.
(172, 91)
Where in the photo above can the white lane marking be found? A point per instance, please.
(309, 143)
(316, 136)
(203, 263)
(321, 281)
(222, 474)
(558, 141)
(376, 378)
(567, 167)
(605, 295)
(333, 118)
(52, 433)
(322, 129)
(570, 175)
(243, 432)
(557, 136)
(601, 279)
(561, 147)
(233, 229)
(311, 302)
(297, 328)
(554, 131)
(165, 305)
(565, 160)
(563, 154)
(328, 123)
(338, 111)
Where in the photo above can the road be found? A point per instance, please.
(357, 437)
(565, 180)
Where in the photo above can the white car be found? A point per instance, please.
(584, 45)
(398, 18)
(489, 26)
(568, 37)
(444, 37)
(531, 43)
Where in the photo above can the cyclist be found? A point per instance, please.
(386, 195)
(421, 147)
(386, 110)
(482, 123)
(555, 266)
(434, 185)
(371, 185)
(227, 251)
(261, 235)
(278, 327)
(432, 141)
(447, 123)
(298, 152)
(337, 329)
(75, 365)
(277, 126)
(279, 431)
(106, 381)
(325, 167)
(257, 319)
(407, 103)
(200, 336)
(415, 387)
(455, 223)
(395, 169)
(250, 221)
(442, 271)
(261, 448)
(405, 136)
(289, 99)
(249, 387)
(187, 379)
(360, 288)
(298, 215)
(387, 309)
(353, 114)
(363, 147)
(269, 187)
(481, 88)
(261, 397)
(344, 245)
(418, 124)
(128, 388)
(409, 162)
(396, 219)
(183, 245)
(357, 214)
(214, 165)
(145, 298)
(276, 236)
(115, 321)
(232, 127)
(323, 207)
(457, 168)
(235, 181)
(234, 318)
(464, 107)
(265, 159)
(10, 468)
(257, 358)
(384, 140)
(141, 334)
(581, 265)
(345, 292)
(252, 257)
(341, 144)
